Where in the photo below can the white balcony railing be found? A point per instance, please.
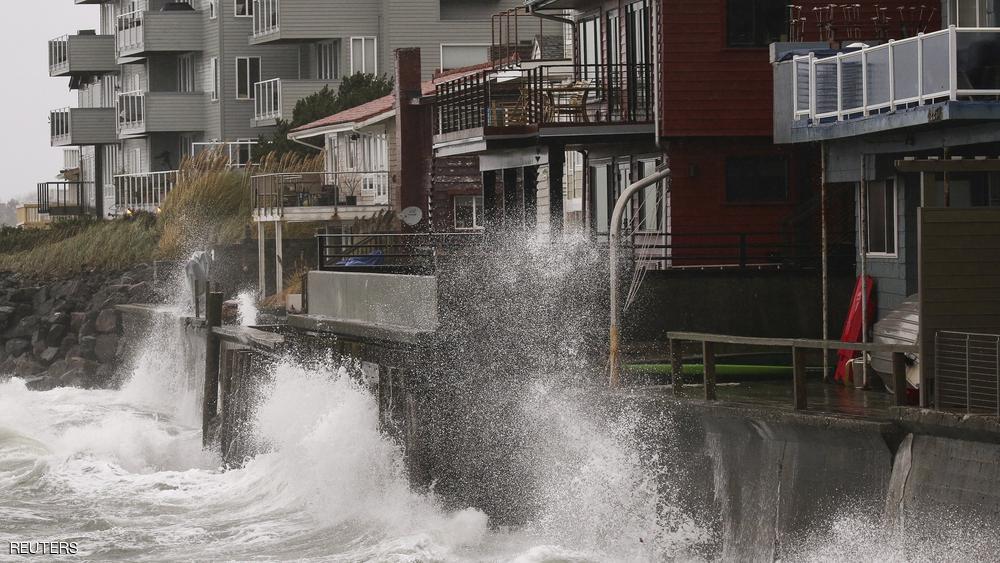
(951, 64)
(265, 17)
(59, 55)
(128, 31)
(59, 125)
(143, 192)
(131, 111)
(267, 100)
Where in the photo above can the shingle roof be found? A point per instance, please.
(385, 104)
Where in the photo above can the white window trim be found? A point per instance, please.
(334, 47)
(213, 9)
(249, 13)
(895, 222)
(443, 45)
(477, 213)
(250, 87)
(214, 69)
(364, 62)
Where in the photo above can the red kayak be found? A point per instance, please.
(853, 326)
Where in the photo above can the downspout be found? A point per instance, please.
(305, 144)
(221, 16)
(657, 84)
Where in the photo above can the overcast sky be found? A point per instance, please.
(28, 94)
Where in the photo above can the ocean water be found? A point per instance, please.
(123, 475)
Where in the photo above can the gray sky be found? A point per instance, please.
(28, 94)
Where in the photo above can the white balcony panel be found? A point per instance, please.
(75, 127)
(140, 113)
(304, 20)
(82, 54)
(275, 99)
(141, 33)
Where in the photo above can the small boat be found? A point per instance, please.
(901, 326)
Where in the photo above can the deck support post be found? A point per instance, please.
(261, 261)
(279, 255)
(899, 383)
(708, 359)
(676, 366)
(213, 345)
(799, 395)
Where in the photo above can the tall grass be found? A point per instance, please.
(212, 203)
(98, 245)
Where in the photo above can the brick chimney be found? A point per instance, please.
(413, 135)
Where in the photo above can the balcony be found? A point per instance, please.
(28, 216)
(287, 21)
(75, 127)
(140, 113)
(319, 196)
(143, 192)
(952, 74)
(140, 33)
(65, 199)
(546, 100)
(81, 55)
(275, 99)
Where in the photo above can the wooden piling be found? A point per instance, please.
(213, 345)
(708, 351)
(676, 365)
(899, 383)
(799, 379)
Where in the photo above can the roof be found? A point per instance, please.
(385, 104)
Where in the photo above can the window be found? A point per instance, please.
(757, 179)
(756, 23)
(214, 87)
(328, 60)
(590, 47)
(468, 212)
(364, 57)
(460, 56)
(244, 8)
(602, 193)
(185, 73)
(211, 9)
(651, 201)
(247, 74)
(881, 217)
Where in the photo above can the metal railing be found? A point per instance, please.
(144, 191)
(967, 372)
(64, 198)
(239, 153)
(266, 17)
(131, 111)
(60, 125)
(398, 253)
(129, 31)
(272, 193)
(59, 55)
(547, 95)
(267, 100)
(951, 64)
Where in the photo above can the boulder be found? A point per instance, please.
(107, 321)
(7, 314)
(88, 347)
(58, 368)
(76, 321)
(89, 328)
(38, 346)
(59, 318)
(49, 355)
(25, 328)
(17, 347)
(23, 295)
(73, 352)
(26, 367)
(56, 334)
(106, 348)
(41, 383)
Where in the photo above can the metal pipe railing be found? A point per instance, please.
(131, 110)
(59, 54)
(129, 31)
(64, 198)
(949, 64)
(60, 125)
(272, 193)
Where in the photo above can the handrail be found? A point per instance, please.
(60, 124)
(266, 17)
(143, 191)
(410, 253)
(131, 110)
(129, 30)
(58, 53)
(267, 99)
(64, 198)
(887, 77)
(273, 192)
(798, 346)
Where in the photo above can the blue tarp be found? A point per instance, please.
(376, 258)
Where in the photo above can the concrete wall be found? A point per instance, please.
(396, 301)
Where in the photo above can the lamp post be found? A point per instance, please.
(614, 235)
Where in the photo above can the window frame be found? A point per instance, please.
(892, 193)
(213, 11)
(478, 204)
(251, 95)
(785, 200)
(364, 62)
(187, 74)
(236, 9)
(484, 46)
(214, 64)
(331, 58)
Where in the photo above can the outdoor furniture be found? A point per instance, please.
(568, 102)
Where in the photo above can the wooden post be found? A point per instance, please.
(261, 261)
(213, 318)
(708, 351)
(825, 257)
(899, 384)
(279, 256)
(799, 394)
(676, 365)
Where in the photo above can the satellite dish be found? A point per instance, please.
(411, 216)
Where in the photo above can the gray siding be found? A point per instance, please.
(91, 126)
(92, 54)
(174, 111)
(323, 19)
(170, 32)
(895, 276)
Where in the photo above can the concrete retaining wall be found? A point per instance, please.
(388, 300)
